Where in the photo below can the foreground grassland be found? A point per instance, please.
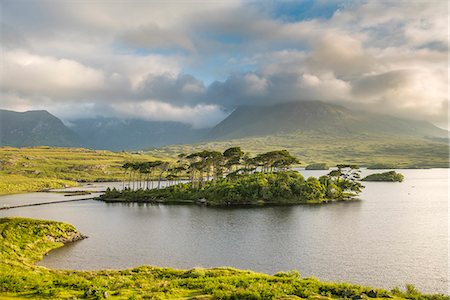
(363, 150)
(38, 168)
(25, 241)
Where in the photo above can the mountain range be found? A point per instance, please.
(117, 134)
(326, 120)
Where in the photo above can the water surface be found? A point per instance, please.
(396, 234)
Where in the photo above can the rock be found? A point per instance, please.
(71, 237)
(105, 294)
(372, 294)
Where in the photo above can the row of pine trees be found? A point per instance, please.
(205, 165)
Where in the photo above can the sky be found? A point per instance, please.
(196, 61)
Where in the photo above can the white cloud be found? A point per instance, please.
(30, 74)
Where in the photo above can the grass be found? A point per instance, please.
(10, 183)
(25, 241)
(360, 149)
(38, 168)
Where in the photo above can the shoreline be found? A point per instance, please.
(235, 205)
(34, 238)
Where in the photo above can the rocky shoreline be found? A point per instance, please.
(71, 237)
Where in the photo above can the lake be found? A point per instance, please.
(396, 234)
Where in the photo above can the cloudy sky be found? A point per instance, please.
(194, 61)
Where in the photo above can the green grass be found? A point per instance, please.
(25, 241)
(10, 183)
(360, 149)
(38, 168)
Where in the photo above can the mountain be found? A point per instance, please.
(34, 128)
(117, 134)
(315, 116)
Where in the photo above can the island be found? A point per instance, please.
(390, 176)
(25, 241)
(234, 178)
(317, 166)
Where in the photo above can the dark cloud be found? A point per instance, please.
(370, 85)
(157, 59)
(152, 36)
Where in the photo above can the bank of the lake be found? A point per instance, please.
(24, 241)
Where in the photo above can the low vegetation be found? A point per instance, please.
(317, 166)
(235, 178)
(38, 168)
(390, 176)
(25, 241)
(10, 184)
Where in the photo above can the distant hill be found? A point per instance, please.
(117, 134)
(315, 116)
(34, 128)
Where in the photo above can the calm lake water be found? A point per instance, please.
(396, 234)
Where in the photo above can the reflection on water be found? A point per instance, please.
(396, 234)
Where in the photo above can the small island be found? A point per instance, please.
(317, 166)
(233, 178)
(390, 176)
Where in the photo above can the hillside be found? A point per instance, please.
(34, 128)
(316, 116)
